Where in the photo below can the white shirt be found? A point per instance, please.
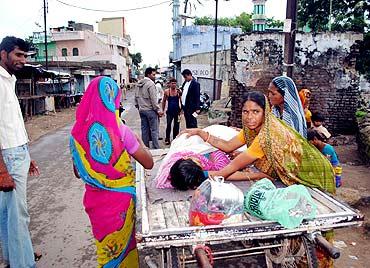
(185, 92)
(12, 130)
(158, 86)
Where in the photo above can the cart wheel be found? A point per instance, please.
(294, 252)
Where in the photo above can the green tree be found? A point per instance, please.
(272, 23)
(136, 59)
(347, 15)
(244, 21)
(363, 60)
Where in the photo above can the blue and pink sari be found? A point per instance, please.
(100, 157)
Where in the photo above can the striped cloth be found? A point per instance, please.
(293, 113)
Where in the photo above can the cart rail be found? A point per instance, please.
(167, 224)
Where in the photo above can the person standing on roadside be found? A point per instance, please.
(146, 101)
(123, 88)
(15, 162)
(172, 98)
(190, 99)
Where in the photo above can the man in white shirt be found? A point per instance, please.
(15, 162)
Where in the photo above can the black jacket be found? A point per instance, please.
(192, 102)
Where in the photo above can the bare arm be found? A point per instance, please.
(164, 100)
(225, 146)
(241, 161)
(143, 155)
(6, 181)
(247, 176)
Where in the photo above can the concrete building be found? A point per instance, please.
(113, 26)
(85, 54)
(196, 39)
(259, 17)
(195, 50)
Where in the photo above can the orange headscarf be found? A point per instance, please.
(304, 95)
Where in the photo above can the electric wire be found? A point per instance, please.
(117, 10)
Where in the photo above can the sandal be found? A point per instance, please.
(37, 256)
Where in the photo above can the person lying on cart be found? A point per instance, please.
(187, 164)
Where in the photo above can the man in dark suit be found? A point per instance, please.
(190, 99)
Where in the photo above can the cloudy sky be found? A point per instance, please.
(150, 29)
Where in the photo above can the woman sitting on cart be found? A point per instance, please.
(101, 146)
(274, 148)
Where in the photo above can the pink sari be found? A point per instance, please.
(215, 161)
(99, 154)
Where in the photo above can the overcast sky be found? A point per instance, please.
(150, 29)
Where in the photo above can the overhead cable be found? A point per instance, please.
(116, 10)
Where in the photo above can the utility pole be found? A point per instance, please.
(45, 37)
(176, 26)
(215, 54)
(330, 13)
(289, 43)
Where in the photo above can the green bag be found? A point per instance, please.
(288, 206)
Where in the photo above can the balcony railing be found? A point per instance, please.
(70, 35)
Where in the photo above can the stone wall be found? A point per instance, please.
(324, 63)
(363, 137)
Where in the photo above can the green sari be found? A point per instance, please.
(289, 156)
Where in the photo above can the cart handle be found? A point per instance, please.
(333, 252)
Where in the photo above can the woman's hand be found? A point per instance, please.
(191, 132)
(234, 154)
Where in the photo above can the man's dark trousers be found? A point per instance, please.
(190, 120)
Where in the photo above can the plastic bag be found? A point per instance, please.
(213, 201)
(288, 206)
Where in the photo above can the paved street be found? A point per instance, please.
(59, 226)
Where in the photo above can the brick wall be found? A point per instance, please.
(324, 63)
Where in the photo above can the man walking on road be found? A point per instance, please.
(146, 101)
(15, 161)
(190, 99)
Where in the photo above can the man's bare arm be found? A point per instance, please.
(6, 181)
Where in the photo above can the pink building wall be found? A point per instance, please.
(88, 46)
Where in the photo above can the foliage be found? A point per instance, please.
(360, 114)
(363, 60)
(347, 15)
(136, 59)
(244, 21)
(272, 23)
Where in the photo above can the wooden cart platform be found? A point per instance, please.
(167, 224)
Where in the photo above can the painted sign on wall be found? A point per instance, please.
(198, 70)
